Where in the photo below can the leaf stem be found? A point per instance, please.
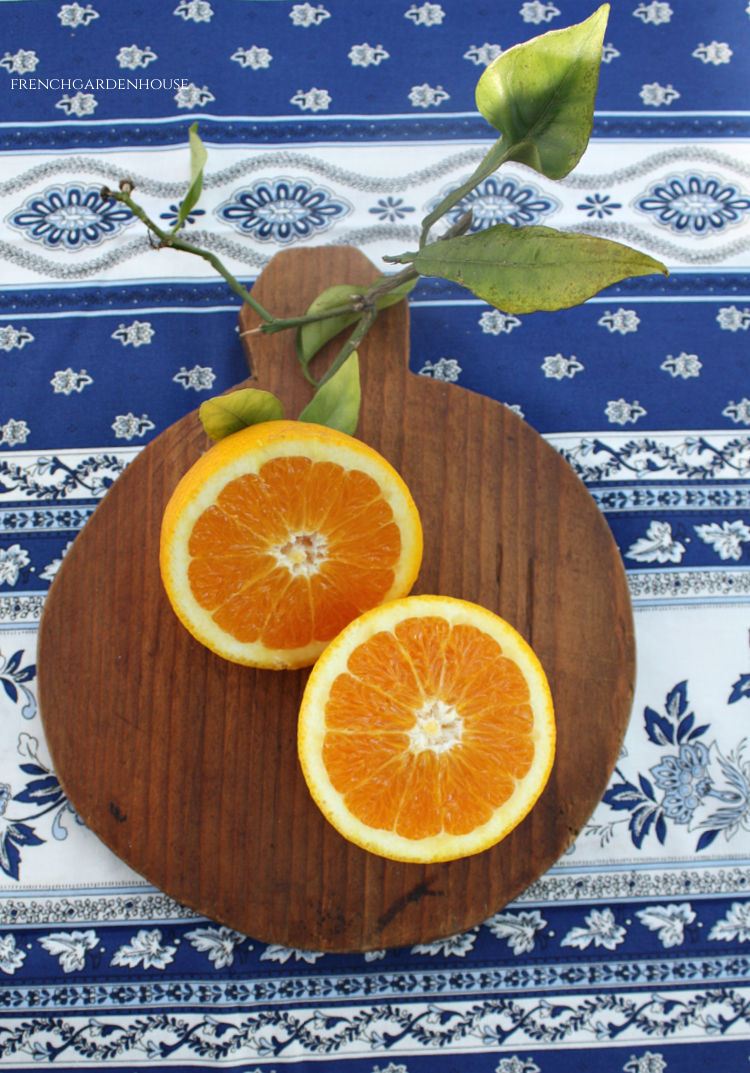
(271, 324)
(385, 286)
(490, 163)
(171, 239)
(365, 303)
(364, 324)
(280, 324)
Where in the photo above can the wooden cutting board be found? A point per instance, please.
(185, 765)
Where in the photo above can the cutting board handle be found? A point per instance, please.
(287, 286)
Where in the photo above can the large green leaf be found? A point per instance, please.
(524, 269)
(336, 403)
(540, 95)
(225, 414)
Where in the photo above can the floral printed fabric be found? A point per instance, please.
(344, 122)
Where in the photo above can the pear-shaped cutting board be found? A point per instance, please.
(186, 765)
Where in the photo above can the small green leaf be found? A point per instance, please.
(312, 337)
(198, 158)
(337, 402)
(540, 95)
(525, 269)
(225, 414)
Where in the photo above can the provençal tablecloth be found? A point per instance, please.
(343, 121)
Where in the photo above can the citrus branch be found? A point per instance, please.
(271, 324)
(172, 240)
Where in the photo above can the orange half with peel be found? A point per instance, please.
(280, 535)
(426, 730)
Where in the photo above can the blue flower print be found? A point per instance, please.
(70, 217)
(13, 835)
(391, 208)
(40, 796)
(172, 214)
(694, 204)
(685, 779)
(282, 210)
(13, 678)
(740, 689)
(682, 777)
(501, 201)
(598, 205)
(702, 788)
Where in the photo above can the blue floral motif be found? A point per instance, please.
(684, 778)
(694, 204)
(598, 205)
(42, 794)
(14, 677)
(694, 458)
(676, 774)
(701, 789)
(70, 217)
(740, 688)
(74, 1038)
(391, 208)
(13, 835)
(501, 201)
(50, 477)
(283, 210)
(172, 215)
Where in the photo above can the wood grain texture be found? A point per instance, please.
(186, 766)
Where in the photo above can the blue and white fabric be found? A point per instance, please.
(344, 121)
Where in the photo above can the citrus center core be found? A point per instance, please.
(303, 553)
(438, 726)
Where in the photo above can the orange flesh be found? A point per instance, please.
(336, 520)
(390, 781)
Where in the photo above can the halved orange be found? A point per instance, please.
(281, 534)
(426, 730)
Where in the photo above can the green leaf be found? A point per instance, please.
(525, 269)
(313, 336)
(225, 414)
(336, 403)
(540, 95)
(198, 158)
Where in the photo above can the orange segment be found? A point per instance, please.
(280, 535)
(426, 730)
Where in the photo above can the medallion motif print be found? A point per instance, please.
(70, 217)
(283, 210)
(498, 200)
(696, 204)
